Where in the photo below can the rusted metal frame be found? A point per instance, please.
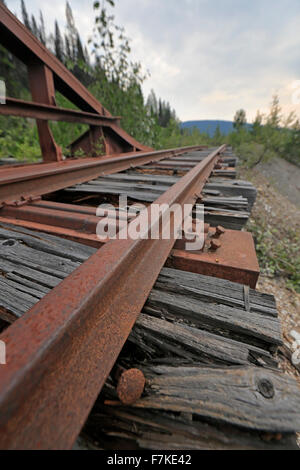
(22, 43)
(28, 109)
(43, 91)
(60, 353)
(36, 180)
(88, 143)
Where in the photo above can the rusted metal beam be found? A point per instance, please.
(60, 353)
(73, 222)
(42, 90)
(41, 215)
(234, 258)
(88, 239)
(28, 109)
(24, 45)
(35, 180)
(79, 209)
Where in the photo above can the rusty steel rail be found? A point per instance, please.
(35, 180)
(60, 353)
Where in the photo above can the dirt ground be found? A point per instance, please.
(284, 176)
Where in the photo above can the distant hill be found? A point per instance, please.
(209, 126)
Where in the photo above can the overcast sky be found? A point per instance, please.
(208, 58)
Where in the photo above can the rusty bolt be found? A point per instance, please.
(268, 437)
(266, 388)
(130, 386)
(215, 244)
(218, 166)
(220, 230)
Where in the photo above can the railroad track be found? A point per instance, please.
(171, 347)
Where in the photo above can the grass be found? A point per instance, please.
(276, 256)
(274, 224)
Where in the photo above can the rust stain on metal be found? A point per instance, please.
(215, 244)
(61, 351)
(131, 386)
(236, 261)
(220, 230)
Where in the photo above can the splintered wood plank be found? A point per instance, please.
(53, 265)
(158, 336)
(46, 243)
(264, 328)
(215, 290)
(248, 397)
(233, 188)
(31, 264)
(160, 430)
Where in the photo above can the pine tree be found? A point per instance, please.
(240, 119)
(71, 33)
(152, 104)
(79, 50)
(58, 43)
(42, 30)
(274, 117)
(34, 27)
(68, 48)
(25, 16)
(257, 124)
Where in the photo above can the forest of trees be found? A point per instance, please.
(269, 135)
(105, 67)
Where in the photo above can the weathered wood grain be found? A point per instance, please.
(215, 290)
(158, 337)
(247, 397)
(32, 263)
(217, 316)
(160, 430)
